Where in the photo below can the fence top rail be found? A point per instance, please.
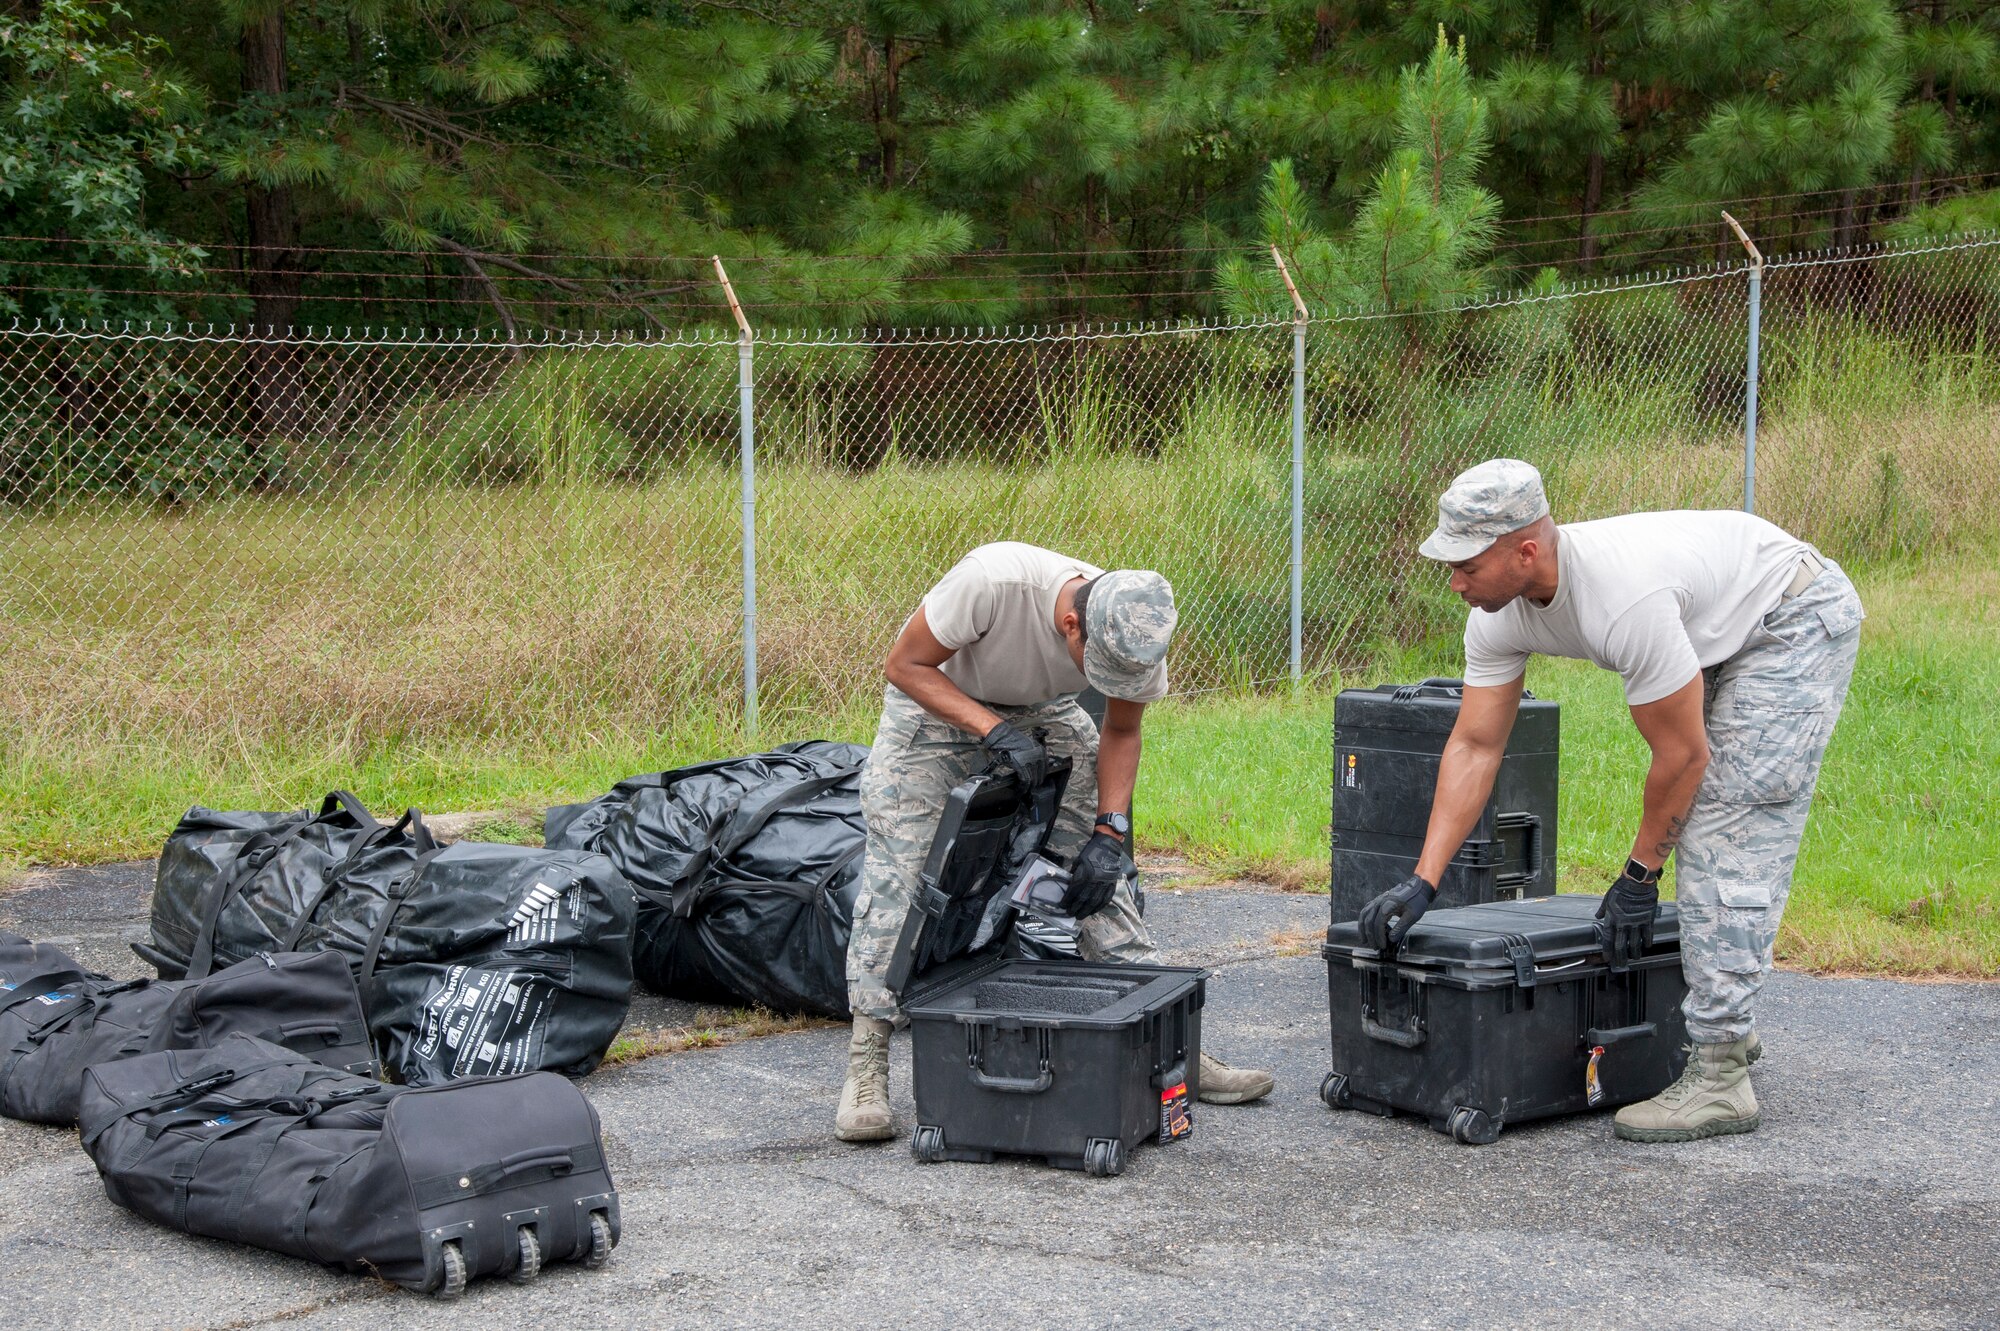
(368, 336)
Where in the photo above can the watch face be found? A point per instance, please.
(1117, 822)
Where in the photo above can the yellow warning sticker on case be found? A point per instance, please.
(1593, 1089)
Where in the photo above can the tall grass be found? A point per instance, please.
(533, 580)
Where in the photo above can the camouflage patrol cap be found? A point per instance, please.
(1128, 622)
(1483, 504)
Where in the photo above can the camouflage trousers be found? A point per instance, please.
(1770, 708)
(915, 762)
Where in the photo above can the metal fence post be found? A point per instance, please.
(1750, 380)
(746, 409)
(1299, 318)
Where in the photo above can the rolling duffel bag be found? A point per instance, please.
(430, 1188)
(1502, 1013)
(231, 885)
(58, 1018)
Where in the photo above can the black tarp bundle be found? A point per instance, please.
(746, 871)
(231, 885)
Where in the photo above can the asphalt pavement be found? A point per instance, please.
(1869, 1199)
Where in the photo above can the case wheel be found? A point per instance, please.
(600, 1240)
(1104, 1157)
(453, 1283)
(530, 1264)
(1334, 1091)
(927, 1144)
(1473, 1127)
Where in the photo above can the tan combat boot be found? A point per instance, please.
(1712, 1097)
(1224, 1085)
(864, 1100)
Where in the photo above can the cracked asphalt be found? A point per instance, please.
(1869, 1199)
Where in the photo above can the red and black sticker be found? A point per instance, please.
(1175, 1120)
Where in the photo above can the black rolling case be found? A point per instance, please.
(1018, 1053)
(1074, 1061)
(1502, 1013)
(1387, 742)
(253, 1144)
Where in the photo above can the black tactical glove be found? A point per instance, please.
(1094, 876)
(1023, 754)
(1385, 920)
(1627, 913)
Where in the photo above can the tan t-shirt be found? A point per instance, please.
(996, 609)
(1654, 596)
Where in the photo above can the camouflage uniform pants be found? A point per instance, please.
(1770, 709)
(915, 762)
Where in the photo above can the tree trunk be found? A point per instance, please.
(886, 131)
(1593, 170)
(1843, 221)
(272, 259)
(1593, 195)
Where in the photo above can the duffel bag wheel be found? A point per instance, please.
(600, 1240)
(530, 1264)
(1104, 1157)
(453, 1283)
(927, 1144)
(1334, 1091)
(1473, 1127)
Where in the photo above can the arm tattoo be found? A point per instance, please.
(1665, 845)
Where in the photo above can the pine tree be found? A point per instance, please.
(1420, 240)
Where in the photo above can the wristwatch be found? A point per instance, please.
(1117, 822)
(1639, 873)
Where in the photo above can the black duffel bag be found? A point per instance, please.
(251, 1143)
(58, 1018)
(231, 885)
(746, 870)
(481, 959)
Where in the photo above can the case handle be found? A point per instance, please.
(1645, 1030)
(1532, 822)
(1402, 1039)
(975, 1056)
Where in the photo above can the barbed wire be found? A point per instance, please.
(837, 337)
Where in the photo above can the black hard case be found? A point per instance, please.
(1387, 743)
(1067, 1060)
(1488, 1015)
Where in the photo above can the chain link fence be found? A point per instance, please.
(226, 538)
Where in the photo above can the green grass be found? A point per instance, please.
(1898, 874)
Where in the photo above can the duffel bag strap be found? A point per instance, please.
(749, 818)
(400, 891)
(411, 823)
(255, 854)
